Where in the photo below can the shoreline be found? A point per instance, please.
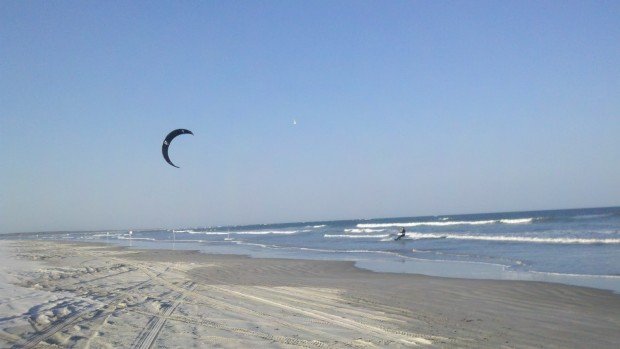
(392, 263)
(194, 298)
(352, 263)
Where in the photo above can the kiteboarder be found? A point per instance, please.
(402, 234)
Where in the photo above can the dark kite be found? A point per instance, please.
(168, 140)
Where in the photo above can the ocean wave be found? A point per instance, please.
(524, 239)
(106, 234)
(417, 224)
(516, 221)
(321, 249)
(602, 276)
(446, 223)
(366, 230)
(319, 226)
(356, 236)
(200, 232)
(184, 241)
(264, 232)
(133, 238)
(592, 216)
(249, 232)
(351, 251)
(253, 244)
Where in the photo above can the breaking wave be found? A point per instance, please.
(249, 232)
(516, 221)
(264, 232)
(366, 230)
(416, 224)
(523, 239)
(356, 236)
(446, 223)
(201, 232)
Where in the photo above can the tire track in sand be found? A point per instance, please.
(71, 319)
(381, 332)
(151, 331)
(378, 331)
(220, 304)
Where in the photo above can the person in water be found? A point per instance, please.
(402, 234)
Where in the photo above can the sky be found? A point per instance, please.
(403, 108)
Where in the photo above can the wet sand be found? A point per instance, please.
(92, 296)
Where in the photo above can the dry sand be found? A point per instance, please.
(93, 296)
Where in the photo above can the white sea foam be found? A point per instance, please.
(356, 236)
(366, 230)
(133, 238)
(321, 249)
(524, 239)
(319, 226)
(106, 234)
(201, 232)
(249, 232)
(445, 223)
(417, 224)
(517, 221)
(602, 276)
(184, 241)
(252, 244)
(265, 232)
(351, 251)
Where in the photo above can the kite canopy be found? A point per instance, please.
(168, 140)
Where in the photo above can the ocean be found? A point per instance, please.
(576, 246)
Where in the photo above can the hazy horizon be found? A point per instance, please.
(402, 109)
(312, 221)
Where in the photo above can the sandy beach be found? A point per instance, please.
(95, 296)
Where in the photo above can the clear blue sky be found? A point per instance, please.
(403, 108)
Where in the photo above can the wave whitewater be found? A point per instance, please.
(356, 236)
(524, 239)
(446, 223)
(516, 221)
(365, 230)
(249, 232)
